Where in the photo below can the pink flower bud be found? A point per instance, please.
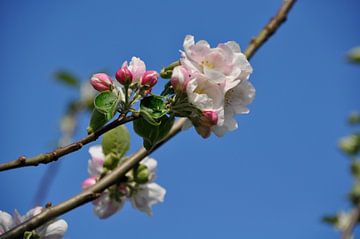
(210, 116)
(101, 82)
(88, 182)
(149, 78)
(180, 78)
(124, 75)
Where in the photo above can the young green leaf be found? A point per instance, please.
(97, 120)
(106, 102)
(154, 106)
(116, 141)
(150, 133)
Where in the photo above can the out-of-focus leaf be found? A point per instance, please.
(354, 55)
(67, 78)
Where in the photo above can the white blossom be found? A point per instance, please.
(54, 229)
(218, 83)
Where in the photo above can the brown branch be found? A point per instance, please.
(61, 151)
(355, 215)
(270, 28)
(110, 179)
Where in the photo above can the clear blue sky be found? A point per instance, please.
(272, 178)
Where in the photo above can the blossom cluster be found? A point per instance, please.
(54, 229)
(138, 187)
(215, 81)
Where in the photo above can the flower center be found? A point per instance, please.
(207, 64)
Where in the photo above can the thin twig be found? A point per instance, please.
(110, 179)
(59, 152)
(355, 215)
(270, 28)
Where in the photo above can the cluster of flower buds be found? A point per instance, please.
(53, 229)
(138, 187)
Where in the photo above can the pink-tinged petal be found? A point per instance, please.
(101, 82)
(149, 78)
(105, 206)
(88, 182)
(180, 78)
(124, 75)
(137, 68)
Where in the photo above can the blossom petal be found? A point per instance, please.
(105, 206)
(6, 222)
(55, 230)
(146, 196)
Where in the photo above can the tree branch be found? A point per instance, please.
(94, 191)
(270, 28)
(61, 151)
(355, 215)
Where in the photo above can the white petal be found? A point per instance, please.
(146, 196)
(234, 46)
(96, 152)
(188, 42)
(55, 230)
(95, 164)
(151, 164)
(6, 222)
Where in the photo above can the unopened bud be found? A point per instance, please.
(149, 78)
(101, 82)
(124, 75)
(180, 78)
(211, 117)
(88, 182)
(141, 174)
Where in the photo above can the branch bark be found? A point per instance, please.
(110, 179)
(61, 151)
(355, 215)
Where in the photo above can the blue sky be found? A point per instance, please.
(274, 177)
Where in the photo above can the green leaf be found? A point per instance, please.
(67, 78)
(354, 118)
(355, 169)
(97, 120)
(354, 55)
(153, 106)
(152, 134)
(106, 102)
(332, 220)
(116, 141)
(354, 195)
